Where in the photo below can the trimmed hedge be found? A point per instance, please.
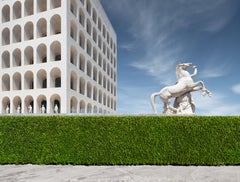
(120, 140)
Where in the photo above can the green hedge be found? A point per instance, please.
(120, 140)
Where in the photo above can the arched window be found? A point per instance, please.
(5, 59)
(73, 32)
(28, 6)
(17, 10)
(89, 27)
(5, 36)
(41, 79)
(42, 53)
(29, 102)
(100, 97)
(41, 28)
(95, 74)
(99, 60)
(55, 24)
(89, 69)
(82, 86)
(95, 93)
(89, 48)
(16, 34)
(16, 58)
(55, 81)
(89, 90)
(99, 42)
(100, 78)
(95, 54)
(73, 7)
(17, 105)
(73, 105)
(99, 24)
(28, 56)
(5, 14)
(104, 31)
(104, 48)
(5, 82)
(73, 81)
(17, 81)
(55, 105)
(89, 108)
(28, 80)
(41, 5)
(28, 31)
(41, 104)
(82, 106)
(81, 17)
(6, 105)
(95, 35)
(55, 4)
(56, 51)
(82, 62)
(89, 7)
(94, 16)
(81, 40)
(73, 58)
(104, 82)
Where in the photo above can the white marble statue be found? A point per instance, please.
(56, 108)
(181, 91)
(7, 109)
(43, 109)
(19, 109)
(30, 109)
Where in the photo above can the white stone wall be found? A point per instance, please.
(57, 52)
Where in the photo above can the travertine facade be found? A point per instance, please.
(57, 56)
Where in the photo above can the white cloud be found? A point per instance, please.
(127, 46)
(156, 25)
(218, 104)
(236, 88)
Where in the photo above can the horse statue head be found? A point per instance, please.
(184, 66)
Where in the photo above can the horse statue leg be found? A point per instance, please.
(203, 88)
(153, 102)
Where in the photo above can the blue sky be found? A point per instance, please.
(155, 35)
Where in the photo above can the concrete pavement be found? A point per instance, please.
(68, 173)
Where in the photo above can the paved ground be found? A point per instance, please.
(37, 173)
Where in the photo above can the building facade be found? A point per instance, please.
(57, 56)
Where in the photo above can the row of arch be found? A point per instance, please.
(87, 45)
(28, 6)
(79, 12)
(92, 91)
(87, 66)
(22, 105)
(27, 80)
(43, 105)
(16, 35)
(31, 56)
(82, 107)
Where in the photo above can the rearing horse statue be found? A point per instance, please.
(184, 85)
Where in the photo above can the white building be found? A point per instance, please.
(57, 55)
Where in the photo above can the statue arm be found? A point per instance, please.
(195, 71)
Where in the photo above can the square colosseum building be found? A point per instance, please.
(57, 56)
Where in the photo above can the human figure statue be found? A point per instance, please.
(56, 108)
(43, 109)
(7, 109)
(73, 109)
(30, 109)
(19, 109)
(184, 104)
(181, 91)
